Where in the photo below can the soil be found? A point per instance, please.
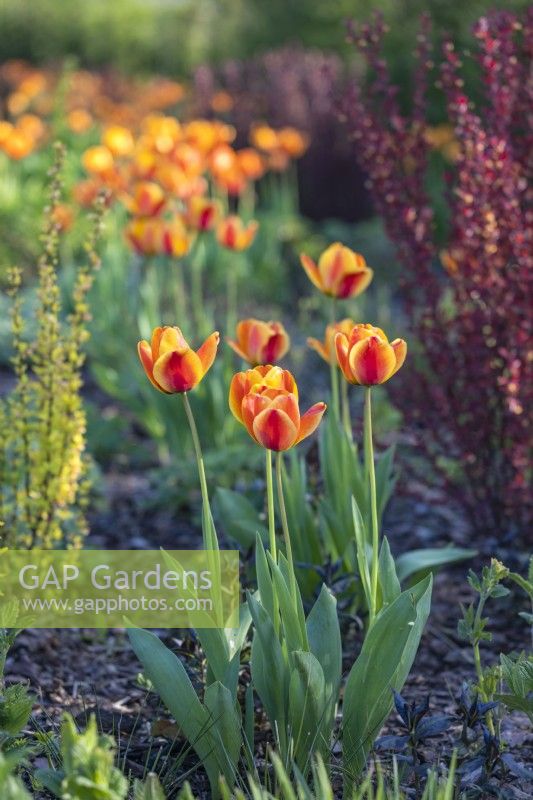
(91, 671)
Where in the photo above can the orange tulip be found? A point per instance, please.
(171, 365)
(98, 159)
(265, 401)
(326, 349)
(366, 357)
(233, 234)
(340, 272)
(152, 236)
(293, 142)
(79, 120)
(202, 213)
(119, 140)
(260, 342)
(148, 199)
(251, 163)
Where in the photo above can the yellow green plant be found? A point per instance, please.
(43, 468)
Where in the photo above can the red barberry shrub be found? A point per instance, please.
(467, 280)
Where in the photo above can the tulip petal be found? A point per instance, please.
(235, 347)
(318, 347)
(238, 389)
(310, 421)
(342, 350)
(400, 351)
(372, 361)
(145, 354)
(207, 352)
(178, 372)
(252, 405)
(312, 271)
(171, 340)
(333, 264)
(354, 283)
(274, 429)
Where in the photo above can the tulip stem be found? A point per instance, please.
(197, 268)
(285, 526)
(272, 530)
(334, 372)
(270, 504)
(345, 402)
(371, 471)
(198, 452)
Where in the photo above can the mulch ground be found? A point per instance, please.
(87, 671)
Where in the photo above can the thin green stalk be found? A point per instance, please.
(197, 268)
(371, 472)
(334, 370)
(272, 530)
(477, 661)
(345, 405)
(285, 527)
(198, 452)
(270, 505)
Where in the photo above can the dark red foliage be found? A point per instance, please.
(469, 390)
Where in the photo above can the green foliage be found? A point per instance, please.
(15, 709)
(388, 652)
(212, 727)
(296, 663)
(43, 478)
(88, 771)
(11, 787)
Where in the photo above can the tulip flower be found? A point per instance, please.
(119, 140)
(148, 199)
(171, 365)
(202, 213)
(366, 357)
(340, 272)
(260, 342)
(98, 159)
(269, 411)
(234, 235)
(326, 349)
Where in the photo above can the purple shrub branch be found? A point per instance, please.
(468, 392)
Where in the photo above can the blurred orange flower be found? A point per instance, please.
(260, 342)
(98, 159)
(340, 272)
(147, 200)
(326, 349)
(202, 213)
(233, 234)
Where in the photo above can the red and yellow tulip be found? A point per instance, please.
(265, 401)
(366, 357)
(233, 234)
(202, 213)
(171, 365)
(340, 272)
(260, 342)
(326, 349)
(147, 200)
